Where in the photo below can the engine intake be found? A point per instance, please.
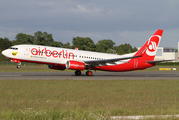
(75, 65)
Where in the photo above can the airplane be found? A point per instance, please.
(78, 60)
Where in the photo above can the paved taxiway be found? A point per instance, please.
(136, 75)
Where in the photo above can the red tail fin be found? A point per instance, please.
(149, 49)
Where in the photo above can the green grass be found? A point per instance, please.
(78, 99)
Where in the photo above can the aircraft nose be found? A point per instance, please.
(4, 52)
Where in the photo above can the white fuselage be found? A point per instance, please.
(54, 55)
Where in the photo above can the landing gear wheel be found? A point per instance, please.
(89, 73)
(77, 72)
(18, 66)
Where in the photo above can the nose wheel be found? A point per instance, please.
(18, 66)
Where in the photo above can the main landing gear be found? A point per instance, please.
(78, 73)
(89, 73)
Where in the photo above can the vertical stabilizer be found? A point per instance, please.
(149, 49)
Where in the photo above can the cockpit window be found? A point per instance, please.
(13, 48)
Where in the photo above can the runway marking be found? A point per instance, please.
(10, 75)
(139, 117)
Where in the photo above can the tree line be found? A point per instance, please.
(83, 43)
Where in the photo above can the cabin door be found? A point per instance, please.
(26, 51)
(135, 63)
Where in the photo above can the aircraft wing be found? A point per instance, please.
(97, 62)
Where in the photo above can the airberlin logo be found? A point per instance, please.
(56, 54)
(152, 45)
(76, 65)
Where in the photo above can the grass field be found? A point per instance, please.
(90, 100)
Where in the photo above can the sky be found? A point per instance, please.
(123, 21)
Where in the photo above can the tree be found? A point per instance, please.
(4, 44)
(56, 44)
(104, 45)
(83, 43)
(125, 48)
(134, 49)
(43, 38)
(67, 45)
(111, 51)
(22, 38)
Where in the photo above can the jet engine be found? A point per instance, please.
(75, 65)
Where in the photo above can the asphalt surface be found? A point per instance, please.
(136, 75)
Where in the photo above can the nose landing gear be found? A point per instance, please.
(17, 61)
(18, 66)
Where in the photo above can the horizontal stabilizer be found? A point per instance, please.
(157, 61)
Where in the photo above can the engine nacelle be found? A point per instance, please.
(75, 65)
(56, 67)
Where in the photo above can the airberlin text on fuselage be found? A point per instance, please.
(55, 54)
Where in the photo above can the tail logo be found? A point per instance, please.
(152, 45)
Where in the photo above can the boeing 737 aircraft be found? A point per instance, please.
(63, 58)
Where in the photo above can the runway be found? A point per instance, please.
(136, 75)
